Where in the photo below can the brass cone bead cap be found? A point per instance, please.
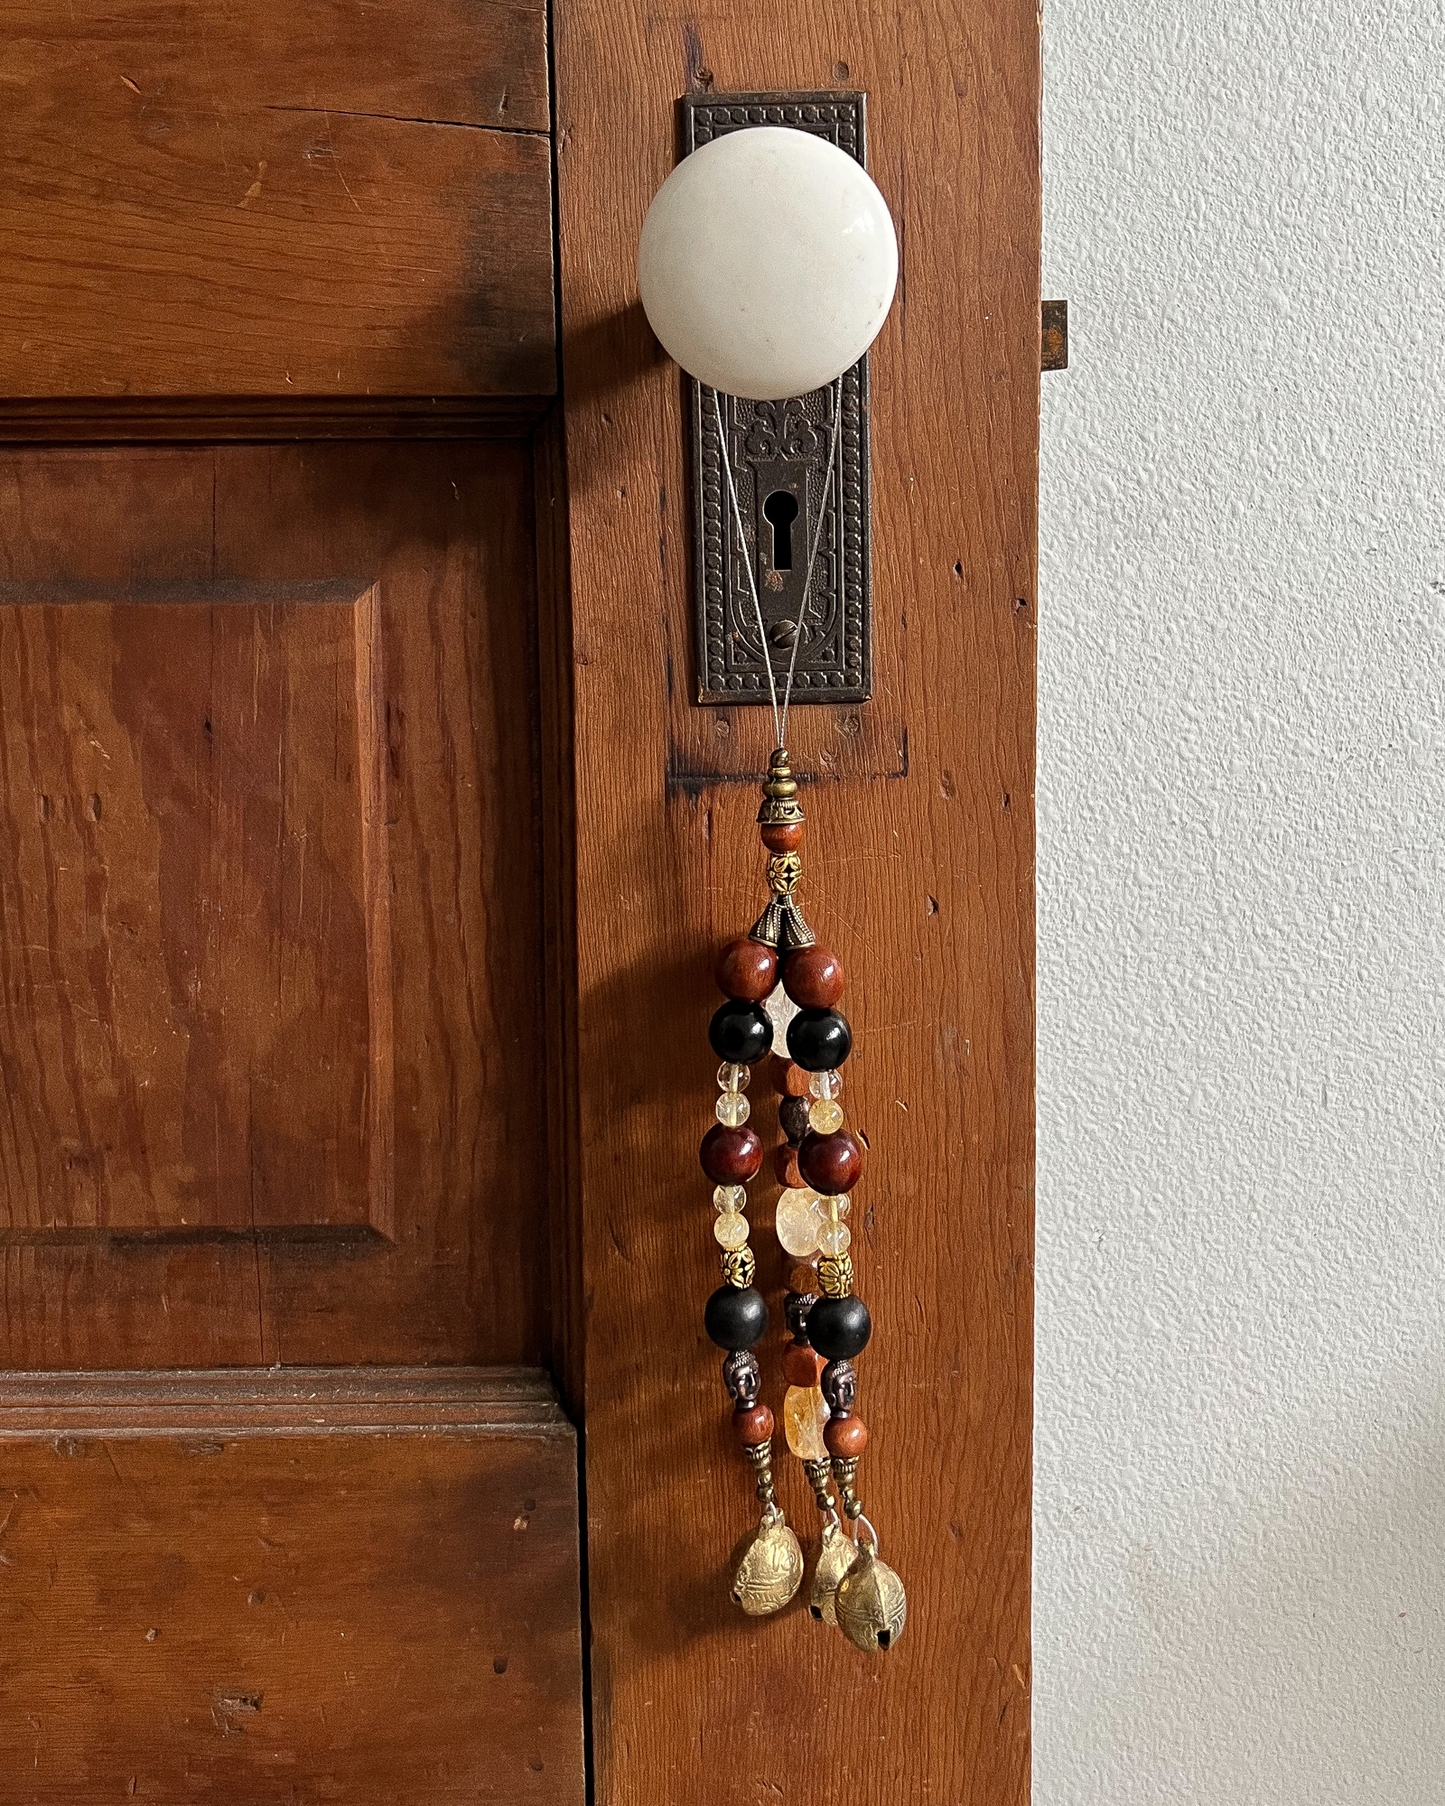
(780, 793)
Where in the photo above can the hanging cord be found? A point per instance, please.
(780, 717)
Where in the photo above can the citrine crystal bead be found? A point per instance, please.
(730, 1229)
(804, 1417)
(825, 1116)
(733, 1077)
(825, 1084)
(729, 1197)
(797, 1222)
(835, 1238)
(733, 1109)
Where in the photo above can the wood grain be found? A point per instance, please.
(343, 868)
(295, 198)
(921, 878)
(180, 1614)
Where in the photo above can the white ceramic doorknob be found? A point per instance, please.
(767, 262)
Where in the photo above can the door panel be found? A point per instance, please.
(177, 1622)
(270, 910)
(315, 199)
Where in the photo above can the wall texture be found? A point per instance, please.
(1240, 1493)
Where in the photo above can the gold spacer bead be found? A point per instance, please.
(835, 1275)
(739, 1267)
(784, 872)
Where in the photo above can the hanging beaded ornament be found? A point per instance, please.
(817, 1166)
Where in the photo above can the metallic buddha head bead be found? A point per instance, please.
(840, 1385)
(741, 1377)
(795, 1308)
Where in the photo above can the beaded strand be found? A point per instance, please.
(818, 1164)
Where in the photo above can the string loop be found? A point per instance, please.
(780, 716)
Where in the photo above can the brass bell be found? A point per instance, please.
(834, 1560)
(870, 1602)
(770, 1569)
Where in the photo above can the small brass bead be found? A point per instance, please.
(739, 1267)
(835, 1274)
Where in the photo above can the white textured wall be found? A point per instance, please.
(1240, 1498)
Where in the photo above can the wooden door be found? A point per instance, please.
(920, 875)
(362, 863)
(288, 1501)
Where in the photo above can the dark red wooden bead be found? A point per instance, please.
(746, 971)
(813, 978)
(731, 1156)
(753, 1426)
(830, 1163)
(844, 1436)
(782, 836)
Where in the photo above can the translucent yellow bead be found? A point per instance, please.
(825, 1116)
(833, 1238)
(836, 1207)
(797, 1222)
(826, 1084)
(731, 1229)
(804, 1414)
(731, 1077)
(733, 1109)
(729, 1197)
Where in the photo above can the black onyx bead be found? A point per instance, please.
(839, 1328)
(819, 1040)
(741, 1032)
(736, 1319)
(793, 1116)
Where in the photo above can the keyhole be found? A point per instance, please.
(780, 511)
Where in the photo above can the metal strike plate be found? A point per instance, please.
(779, 455)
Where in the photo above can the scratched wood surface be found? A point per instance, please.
(289, 197)
(182, 1616)
(920, 876)
(270, 919)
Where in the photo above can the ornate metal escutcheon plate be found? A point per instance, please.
(779, 455)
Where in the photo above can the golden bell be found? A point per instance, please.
(834, 1560)
(770, 1570)
(871, 1604)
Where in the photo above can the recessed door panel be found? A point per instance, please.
(270, 917)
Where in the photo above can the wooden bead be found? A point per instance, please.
(844, 1436)
(813, 978)
(782, 836)
(753, 1425)
(746, 971)
(731, 1156)
(803, 1278)
(785, 1165)
(802, 1366)
(830, 1163)
(788, 1080)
